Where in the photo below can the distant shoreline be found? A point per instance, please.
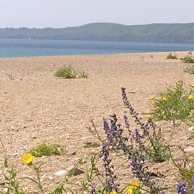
(95, 55)
(163, 33)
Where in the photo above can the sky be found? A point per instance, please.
(70, 13)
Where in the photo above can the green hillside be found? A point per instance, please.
(171, 33)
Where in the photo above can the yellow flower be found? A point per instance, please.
(164, 98)
(190, 97)
(192, 85)
(153, 102)
(151, 97)
(148, 116)
(27, 158)
(158, 108)
(163, 112)
(113, 192)
(133, 186)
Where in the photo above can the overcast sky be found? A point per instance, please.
(66, 13)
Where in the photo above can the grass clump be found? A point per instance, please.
(171, 56)
(189, 69)
(176, 103)
(47, 150)
(188, 58)
(68, 72)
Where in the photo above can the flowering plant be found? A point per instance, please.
(28, 158)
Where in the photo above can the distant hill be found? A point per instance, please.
(170, 33)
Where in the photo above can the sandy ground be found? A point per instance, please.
(36, 107)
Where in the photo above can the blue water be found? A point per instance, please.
(31, 47)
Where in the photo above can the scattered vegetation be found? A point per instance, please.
(68, 72)
(47, 150)
(11, 77)
(188, 58)
(189, 69)
(140, 146)
(171, 56)
(176, 103)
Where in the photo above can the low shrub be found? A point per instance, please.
(171, 56)
(47, 150)
(189, 69)
(176, 103)
(188, 58)
(68, 72)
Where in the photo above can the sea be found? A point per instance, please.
(36, 47)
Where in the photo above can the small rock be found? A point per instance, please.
(75, 171)
(190, 128)
(85, 139)
(12, 127)
(15, 154)
(73, 153)
(60, 172)
(69, 168)
(50, 177)
(189, 149)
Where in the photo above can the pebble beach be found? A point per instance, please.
(37, 107)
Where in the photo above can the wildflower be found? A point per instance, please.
(151, 97)
(158, 108)
(27, 158)
(163, 112)
(164, 99)
(109, 170)
(148, 116)
(133, 186)
(113, 192)
(182, 188)
(190, 97)
(153, 102)
(192, 85)
(92, 191)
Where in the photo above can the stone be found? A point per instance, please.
(60, 172)
(190, 128)
(12, 127)
(51, 177)
(189, 149)
(73, 153)
(15, 154)
(75, 171)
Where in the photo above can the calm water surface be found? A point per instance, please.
(31, 47)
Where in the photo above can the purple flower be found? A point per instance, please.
(182, 188)
(92, 191)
